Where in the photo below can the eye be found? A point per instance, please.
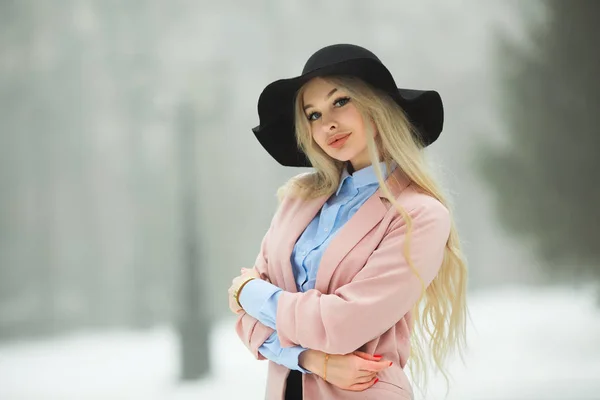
(313, 116)
(341, 102)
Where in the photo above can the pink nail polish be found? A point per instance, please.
(377, 355)
(376, 380)
(391, 363)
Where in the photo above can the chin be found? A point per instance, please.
(343, 156)
(341, 159)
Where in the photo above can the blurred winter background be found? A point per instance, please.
(132, 189)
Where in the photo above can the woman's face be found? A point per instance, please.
(335, 123)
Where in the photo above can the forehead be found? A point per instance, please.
(315, 90)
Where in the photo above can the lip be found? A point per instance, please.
(338, 139)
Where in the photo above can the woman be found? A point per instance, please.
(362, 257)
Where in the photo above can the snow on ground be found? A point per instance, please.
(524, 343)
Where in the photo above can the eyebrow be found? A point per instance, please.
(326, 97)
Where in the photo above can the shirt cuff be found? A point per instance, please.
(294, 355)
(259, 299)
(289, 357)
(296, 351)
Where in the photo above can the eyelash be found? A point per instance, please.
(347, 99)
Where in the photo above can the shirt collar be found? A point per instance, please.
(364, 177)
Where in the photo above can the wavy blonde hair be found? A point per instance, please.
(439, 317)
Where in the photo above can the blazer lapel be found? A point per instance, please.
(367, 216)
(305, 213)
(361, 223)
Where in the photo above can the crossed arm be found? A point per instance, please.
(381, 293)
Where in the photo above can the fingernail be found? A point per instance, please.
(377, 355)
(391, 363)
(376, 380)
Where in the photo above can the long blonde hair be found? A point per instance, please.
(439, 317)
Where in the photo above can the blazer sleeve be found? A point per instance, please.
(251, 331)
(378, 297)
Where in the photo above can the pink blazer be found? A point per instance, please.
(364, 291)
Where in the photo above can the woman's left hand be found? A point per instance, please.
(235, 283)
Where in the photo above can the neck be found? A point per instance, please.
(357, 166)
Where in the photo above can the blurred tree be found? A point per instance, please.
(194, 325)
(545, 179)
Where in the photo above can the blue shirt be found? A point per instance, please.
(260, 298)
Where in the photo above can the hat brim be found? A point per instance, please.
(276, 132)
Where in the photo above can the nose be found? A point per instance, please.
(329, 124)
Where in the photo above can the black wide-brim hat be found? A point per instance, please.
(276, 132)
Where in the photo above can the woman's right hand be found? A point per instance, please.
(356, 371)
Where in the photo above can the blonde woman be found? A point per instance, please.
(360, 271)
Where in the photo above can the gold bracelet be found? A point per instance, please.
(236, 294)
(325, 367)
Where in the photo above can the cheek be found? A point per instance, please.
(358, 121)
(353, 120)
(359, 128)
(318, 137)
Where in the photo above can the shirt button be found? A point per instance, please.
(304, 253)
(326, 230)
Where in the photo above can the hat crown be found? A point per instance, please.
(336, 53)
